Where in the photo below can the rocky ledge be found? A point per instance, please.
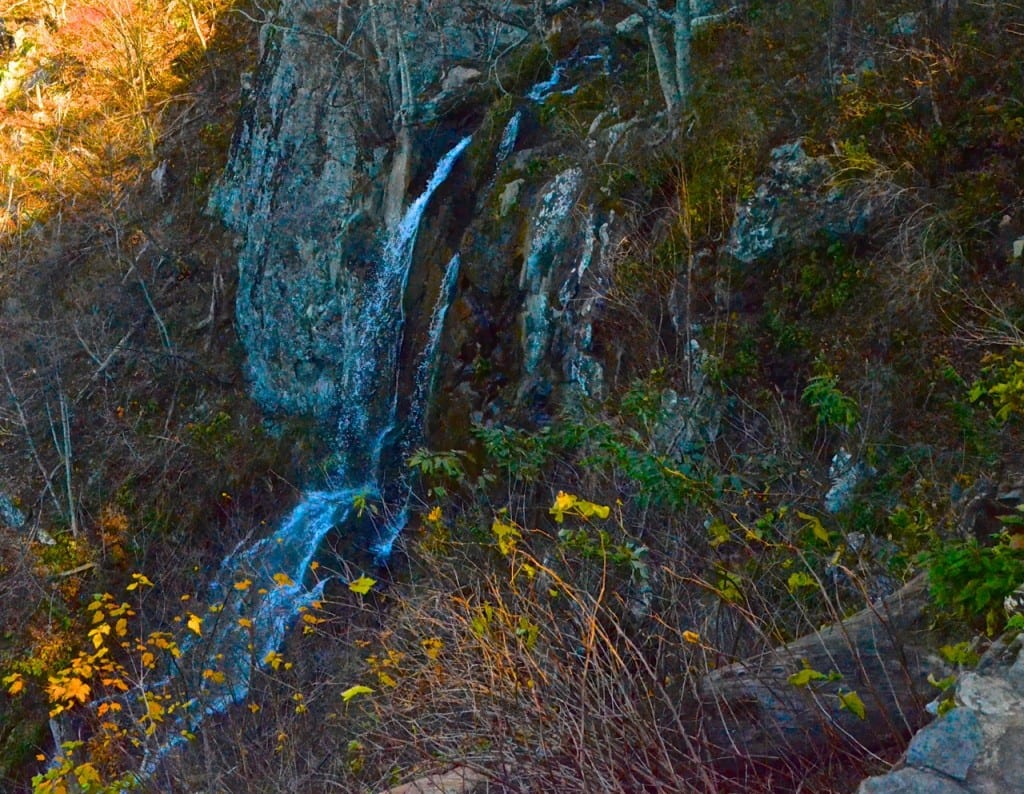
(977, 747)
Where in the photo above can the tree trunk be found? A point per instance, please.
(662, 57)
(682, 24)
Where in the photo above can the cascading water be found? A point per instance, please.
(428, 358)
(275, 567)
(370, 365)
(543, 90)
(508, 138)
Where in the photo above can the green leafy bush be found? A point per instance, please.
(833, 408)
(971, 580)
(1002, 384)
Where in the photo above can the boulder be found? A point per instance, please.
(976, 748)
(792, 206)
(755, 715)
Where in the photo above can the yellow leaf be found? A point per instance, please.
(121, 627)
(432, 647)
(691, 637)
(386, 679)
(274, 659)
(352, 691)
(195, 624)
(245, 584)
(76, 689)
(245, 623)
(15, 683)
(434, 515)
(254, 707)
(851, 702)
(817, 528)
(139, 581)
(566, 502)
(362, 585)
(806, 676)
(97, 634)
(563, 502)
(283, 580)
(87, 775)
(506, 535)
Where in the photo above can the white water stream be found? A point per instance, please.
(278, 566)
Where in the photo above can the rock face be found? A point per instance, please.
(792, 204)
(290, 191)
(323, 165)
(978, 747)
(325, 157)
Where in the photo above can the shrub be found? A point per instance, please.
(831, 406)
(970, 580)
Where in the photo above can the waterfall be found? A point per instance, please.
(543, 90)
(278, 566)
(427, 359)
(375, 335)
(508, 138)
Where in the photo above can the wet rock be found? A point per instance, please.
(845, 474)
(550, 228)
(318, 164)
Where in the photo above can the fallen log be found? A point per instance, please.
(753, 714)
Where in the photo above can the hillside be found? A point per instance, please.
(391, 387)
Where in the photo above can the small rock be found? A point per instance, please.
(459, 780)
(1014, 602)
(631, 24)
(158, 178)
(907, 24)
(910, 781)
(509, 197)
(459, 76)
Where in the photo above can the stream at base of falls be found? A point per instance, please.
(251, 623)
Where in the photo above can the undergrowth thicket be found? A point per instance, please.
(565, 588)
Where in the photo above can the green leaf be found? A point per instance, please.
(816, 527)
(353, 691)
(805, 676)
(719, 532)
(851, 702)
(362, 585)
(798, 580)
